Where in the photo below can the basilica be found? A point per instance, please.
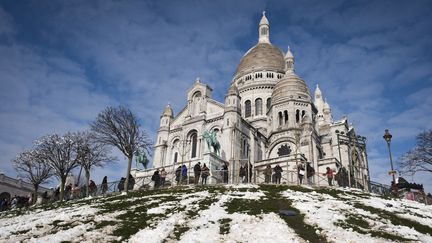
(268, 117)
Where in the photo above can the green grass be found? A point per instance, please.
(224, 227)
(396, 220)
(361, 226)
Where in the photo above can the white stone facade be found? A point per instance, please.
(268, 117)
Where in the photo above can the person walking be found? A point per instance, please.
(329, 174)
(278, 174)
(197, 172)
(104, 185)
(268, 173)
(205, 172)
(163, 175)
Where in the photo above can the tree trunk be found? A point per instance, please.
(127, 174)
(62, 185)
(34, 198)
(87, 172)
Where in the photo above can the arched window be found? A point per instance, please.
(297, 116)
(258, 106)
(268, 104)
(248, 109)
(280, 118)
(194, 140)
(303, 114)
(175, 157)
(197, 94)
(285, 117)
(264, 31)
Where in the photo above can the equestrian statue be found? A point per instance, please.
(212, 142)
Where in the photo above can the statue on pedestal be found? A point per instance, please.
(212, 142)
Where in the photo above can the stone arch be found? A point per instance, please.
(192, 136)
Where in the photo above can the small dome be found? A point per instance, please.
(233, 90)
(290, 86)
(263, 56)
(168, 111)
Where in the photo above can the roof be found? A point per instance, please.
(263, 56)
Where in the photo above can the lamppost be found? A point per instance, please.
(183, 147)
(387, 136)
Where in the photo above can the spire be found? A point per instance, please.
(326, 105)
(318, 94)
(264, 33)
(168, 111)
(198, 80)
(289, 61)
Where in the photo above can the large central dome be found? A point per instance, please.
(263, 56)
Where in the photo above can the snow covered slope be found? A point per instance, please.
(242, 213)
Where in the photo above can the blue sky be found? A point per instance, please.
(62, 62)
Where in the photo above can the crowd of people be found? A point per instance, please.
(200, 173)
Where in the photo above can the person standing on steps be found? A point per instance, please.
(310, 173)
(278, 174)
(301, 173)
(197, 172)
(329, 174)
(104, 185)
(184, 171)
(163, 174)
(268, 173)
(205, 172)
(242, 174)
(156, 178)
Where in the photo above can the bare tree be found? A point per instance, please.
(61, 153)
(419, 159)
(94, 154)
(30, 165)
(119, 127)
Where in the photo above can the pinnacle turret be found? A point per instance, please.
(264, 32)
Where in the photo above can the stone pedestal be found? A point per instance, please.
(214, 163)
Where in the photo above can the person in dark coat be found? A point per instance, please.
(278, 174)
(131, 182)
(104, 185)
(242, 173)
(92, 188)
(156, 179)
(178, 174)
(310, 173)
(268, 173)
(120, 185)
(197, 172)
(225, 173)
(205, 172)
(249, 172)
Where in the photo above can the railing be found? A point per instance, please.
(379, 188)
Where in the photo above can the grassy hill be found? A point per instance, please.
(242, 213)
